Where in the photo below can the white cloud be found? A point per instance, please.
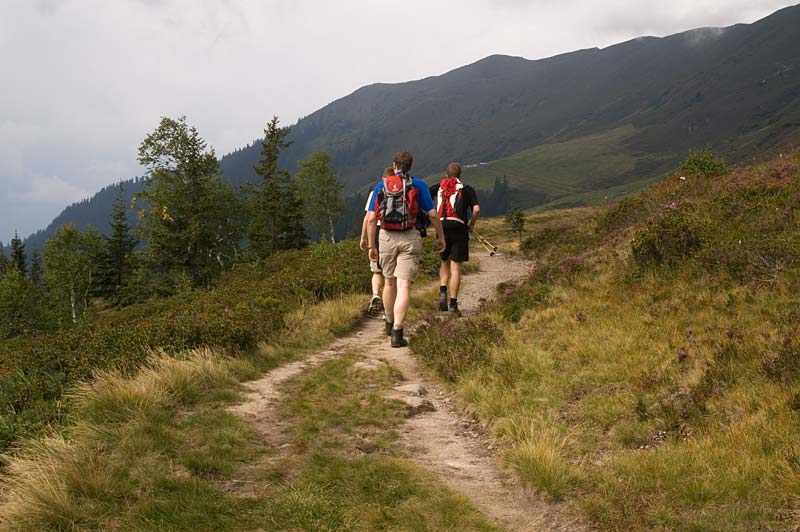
(49, 189)
(85, 80)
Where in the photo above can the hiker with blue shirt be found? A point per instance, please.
(398, 199)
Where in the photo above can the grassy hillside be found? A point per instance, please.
(248, 306)
(160, 450)
(590, 170)
(154, 445)
(647, 372)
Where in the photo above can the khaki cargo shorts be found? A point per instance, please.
(399, 253)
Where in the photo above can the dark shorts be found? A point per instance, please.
(457, 244)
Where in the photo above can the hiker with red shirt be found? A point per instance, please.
(398, 199)
(458, 209)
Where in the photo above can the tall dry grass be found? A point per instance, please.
(648, 371)
(76, 480)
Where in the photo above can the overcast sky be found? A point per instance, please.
(83, 81)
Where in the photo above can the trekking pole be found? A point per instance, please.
(488, 245)
(490, 250)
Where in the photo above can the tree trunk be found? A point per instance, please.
(333, 237)
(72, 303)
(86, 295)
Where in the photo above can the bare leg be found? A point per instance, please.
(444, 273)
(455, 278)
(376, 283)
(402, 302)
(389, 296)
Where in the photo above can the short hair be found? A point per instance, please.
(454, 170)
(388, 171)
(403, 160)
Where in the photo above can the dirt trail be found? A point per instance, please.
(437, 436)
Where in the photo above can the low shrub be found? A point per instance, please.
(454, 346)
(704, 163)
(770, 214)
(620, 215)
(666, 242)
(558, 239)
(783, 365)
(248, 306)
(513, 300)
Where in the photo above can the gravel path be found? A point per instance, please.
(436, 435)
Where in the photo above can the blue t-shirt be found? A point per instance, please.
(425, 200)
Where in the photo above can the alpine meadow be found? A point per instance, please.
(217, 344)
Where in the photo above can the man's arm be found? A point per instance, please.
(372, 228)
(476, 213)
(426, 203)
(437, 224)
(476, 208)
(364, 243)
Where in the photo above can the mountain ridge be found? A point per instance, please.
(736, 89)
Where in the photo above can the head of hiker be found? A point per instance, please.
(458, 208)
(398, 199)
(453, 170)
(402, 162)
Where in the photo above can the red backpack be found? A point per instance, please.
(450, 200)
(397, 203)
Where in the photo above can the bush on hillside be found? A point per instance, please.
(247, 307)
(704, 163)
(620, 215)
(783, 365)
(454, 346)
(756, 233)
(513, 301)
(665, 242)
(557, 239)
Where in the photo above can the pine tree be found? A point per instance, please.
(321, 192)
(18, 258)
(192, 224)
(36, 269)
(265, 204)
(20, 308)
(117, 262)
(498, 201)
(292, 232)
(276, 209)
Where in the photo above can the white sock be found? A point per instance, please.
(398, 326)
(389, 317)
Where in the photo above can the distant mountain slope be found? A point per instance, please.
(569, 125)
(736, 88)
(94, 211)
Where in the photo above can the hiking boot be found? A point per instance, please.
(442, 301)
(375, 306)
(397, 338)
(454, 311)
(389, 327)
